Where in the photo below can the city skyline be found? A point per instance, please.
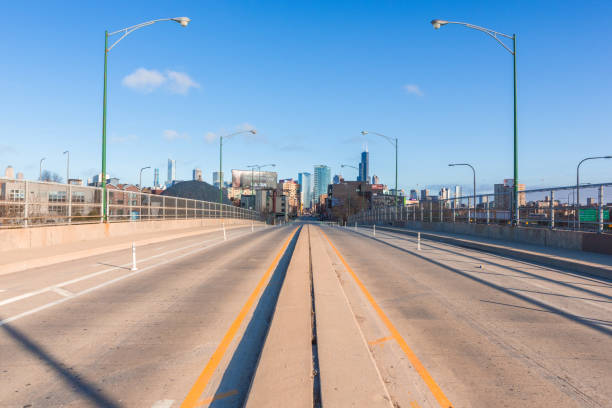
(155, 101)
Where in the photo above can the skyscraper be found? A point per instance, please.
(156, 178)
(197, 174)
(322, 178)
(375, 179)
(171, 170)
(457, 195)
(216, 178)
(305, 182)
(364, 167)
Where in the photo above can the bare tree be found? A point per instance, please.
(51, 176)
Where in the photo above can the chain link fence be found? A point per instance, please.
(555, 208)
(31, 203)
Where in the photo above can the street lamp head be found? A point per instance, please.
(607, 157)
(253, 131)
(438, 23)
(364, 132)
(182, 20)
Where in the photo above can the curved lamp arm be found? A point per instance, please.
(348, 165)
(392, 140)
(128, 30)
(252, 131)
(438, 23)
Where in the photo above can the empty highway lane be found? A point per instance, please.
(337, 316)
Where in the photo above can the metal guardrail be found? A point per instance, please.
(554, 208)
(32, 203)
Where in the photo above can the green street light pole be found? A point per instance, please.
(494, 34)
(252, 131)
(183, 21)
(393, 141)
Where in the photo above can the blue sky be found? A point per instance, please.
(309, 76)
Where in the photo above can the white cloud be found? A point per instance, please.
(210, 137)
(148, 80)
(170, 135)
(413, 89)
(180, 82)
(144, 80)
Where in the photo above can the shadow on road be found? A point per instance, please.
(239, 374)
(594, 324)
(74, 381)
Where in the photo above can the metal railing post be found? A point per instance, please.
(163, 208)
(69, 203)
(601, 211)
(421, 208)
(488, 215)
(454, 210)
(26, 204)
(469, 216)
(430, 211)
(441, 213)
(102, 205)
(552, 209)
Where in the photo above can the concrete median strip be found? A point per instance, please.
(349, 376)
(284, 376)
(193, 397)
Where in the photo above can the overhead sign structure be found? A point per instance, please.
(592, 215)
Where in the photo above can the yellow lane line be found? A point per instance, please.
(198, 388)
(378, 341)
(416, 363)
(414, 404)
(217, 397)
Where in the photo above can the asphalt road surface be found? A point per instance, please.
(442, 326)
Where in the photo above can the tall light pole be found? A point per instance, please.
(183, 21)
(140, 177)
(474, 173)
(393, 141)
(67, 153)
(577, 212)
(40, 169)
(252, 131)
(494, 34)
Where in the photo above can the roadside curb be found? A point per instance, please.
(598, 270)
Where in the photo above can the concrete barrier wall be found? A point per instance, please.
(39, 237)
(574, 240)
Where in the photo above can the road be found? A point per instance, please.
(441, 326)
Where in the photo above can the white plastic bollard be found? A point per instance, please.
(418, 241)
(374, 229)
(252, 226)
(355, 226)
(134, 268)
(224, 234)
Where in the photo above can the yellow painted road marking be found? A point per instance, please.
(198, 388)
(416, 363)
(414, 404)
(378, 341)
(217, 397)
